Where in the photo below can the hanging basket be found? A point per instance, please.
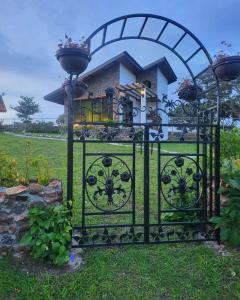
(227, 68)
(73, 60)
(189, 93)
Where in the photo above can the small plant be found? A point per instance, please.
(186, 83)
(227, 51)
(69, 43)
(9, 174)
(229, 221)
(49, 235)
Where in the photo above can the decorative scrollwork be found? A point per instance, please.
(107, 236)
(181, 178)
(108, 183)
(162, 233)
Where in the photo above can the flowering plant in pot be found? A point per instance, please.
(73, 57)
(227, 63)
(79, 87)
(188, 91)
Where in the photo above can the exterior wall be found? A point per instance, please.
(150, 75)
(162, 88)
(108, 78)
(126, 76)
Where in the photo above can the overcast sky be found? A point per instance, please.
(30, 32)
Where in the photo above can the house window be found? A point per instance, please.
(93, 110)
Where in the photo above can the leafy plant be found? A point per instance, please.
(229, 220)
(69, 43)
(49, 235)
(9, 174)
(230, 141)
(225, 52)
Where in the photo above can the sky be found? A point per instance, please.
(30, 31)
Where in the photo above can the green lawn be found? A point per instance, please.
(189, 271)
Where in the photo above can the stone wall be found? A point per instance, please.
(14, 211)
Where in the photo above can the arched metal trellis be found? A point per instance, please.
(131, 196)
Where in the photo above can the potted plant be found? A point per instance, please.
(226, 66)
(188, 91)
(79, 87)
(73, 57)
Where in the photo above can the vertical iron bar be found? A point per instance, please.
(217, 161)
(68, 89)
(211, 166)
(133, 182)
(159, 181)
(83, 181)
(146, 184)
(205, 174)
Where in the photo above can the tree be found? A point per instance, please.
(230, 98)
(60, 120)
(26, 108)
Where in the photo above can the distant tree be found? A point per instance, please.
(26, 108)
(230, 98)
(60, 120)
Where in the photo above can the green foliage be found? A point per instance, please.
(49, 235)
(181, 216)
(230, 144)
(229, 221)
(26, 107)
(60, 120)
(11, 175)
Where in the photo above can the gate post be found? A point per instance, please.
(146, 183)
(68, 89)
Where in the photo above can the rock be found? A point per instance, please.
(16, 190)
(22, 197)
(2, 197)
(35, 188)
(23, 217)
(18, 208)
(5, 218)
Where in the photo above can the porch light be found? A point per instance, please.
(142, 92)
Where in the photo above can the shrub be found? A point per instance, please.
(10, 174)
(229, 221)
(49, 235)
(230, 144)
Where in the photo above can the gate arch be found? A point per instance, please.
(88, 235)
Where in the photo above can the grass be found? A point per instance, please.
(178, 271)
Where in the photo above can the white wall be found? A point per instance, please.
(126, 76)
(162, 88)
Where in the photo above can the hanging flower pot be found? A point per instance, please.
(227, 68)
(73, 57)
(188, 91)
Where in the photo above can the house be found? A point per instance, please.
(141, 87)
(2, 105)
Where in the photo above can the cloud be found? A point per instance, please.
(16, 84)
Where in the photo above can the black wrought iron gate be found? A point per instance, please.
(136, 186)
(137, 192)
